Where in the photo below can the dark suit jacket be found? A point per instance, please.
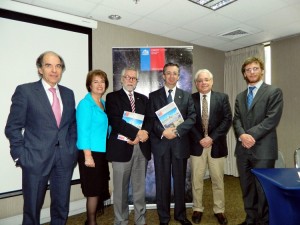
(260, 121)
(220, 118)
(185, 104)
(116, 103)
(31, 111)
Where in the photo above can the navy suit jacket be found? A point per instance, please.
(220, 119)
(260, 121)
(31, 111)
(116, 103)
(179, 145)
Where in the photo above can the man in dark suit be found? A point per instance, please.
(258, 111)
(208, 144)
(129, 158)
(46, 151)
(170, 146)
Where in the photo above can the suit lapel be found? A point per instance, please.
(178, 96)
(163, 96)
(138, 102)
(64, 102)
(259, 94)
(212, 107)
(125, 100)
(42, 98)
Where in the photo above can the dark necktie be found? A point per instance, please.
(250, 96)
(169, 99)
(205, 115)
(132, 102)
(56, 106)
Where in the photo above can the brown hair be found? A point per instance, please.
(252, 60)
(94, 73)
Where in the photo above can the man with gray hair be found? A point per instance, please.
(208, 144)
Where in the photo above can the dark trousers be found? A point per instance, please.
(34, 187)
(165, 166)
(255, 202)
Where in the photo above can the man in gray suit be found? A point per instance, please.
(170, 146)
(41, 129)
(258, 111)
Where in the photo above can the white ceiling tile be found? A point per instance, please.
(73, 7)
(142, 8)
(182, 35)
(101, 13)
(178, 13)
(151, 26)
(183, 20)
(211, 23)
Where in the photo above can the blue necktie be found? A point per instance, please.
(250, 96)
(169, 99)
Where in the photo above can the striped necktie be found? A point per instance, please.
(250, 96)
(131, 101)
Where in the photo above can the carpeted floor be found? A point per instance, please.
(234, 208)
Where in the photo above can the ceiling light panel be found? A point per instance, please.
(212, 4)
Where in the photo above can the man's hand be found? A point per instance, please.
(170, 133)
(142, 135)
(134, 142)
(247, 141)
(206, 142)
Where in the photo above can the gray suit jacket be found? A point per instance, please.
(185, 104)
(260, 121)
(31, 112)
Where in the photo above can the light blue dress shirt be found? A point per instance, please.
(92, 125)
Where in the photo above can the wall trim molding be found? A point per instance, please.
(76, 207)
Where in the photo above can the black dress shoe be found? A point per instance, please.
(185, 221)
(221, 218)
(196, 217)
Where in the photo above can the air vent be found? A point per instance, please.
(234, 34)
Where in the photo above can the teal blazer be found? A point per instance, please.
(92, 125)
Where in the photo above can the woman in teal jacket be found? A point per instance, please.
(92, 130)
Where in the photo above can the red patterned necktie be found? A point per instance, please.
(132, 102)
(56, 106)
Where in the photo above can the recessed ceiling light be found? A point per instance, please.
(114, 17)
(213, 4)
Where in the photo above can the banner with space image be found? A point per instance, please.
(150, 62)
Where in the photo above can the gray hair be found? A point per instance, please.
(203, 71)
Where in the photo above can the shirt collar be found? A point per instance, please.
(257, 85)
(167, 90)
(207, 95)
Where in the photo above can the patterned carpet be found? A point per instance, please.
(234, 208)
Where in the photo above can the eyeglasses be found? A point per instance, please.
(128, 78)
(254, 69)
(171, 73)
(204, 80)
(50, 66)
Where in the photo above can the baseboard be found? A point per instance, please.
(76, 207)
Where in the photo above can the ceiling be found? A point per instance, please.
(261, 20)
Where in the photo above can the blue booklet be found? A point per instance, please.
(134, 119)
(169, 115)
